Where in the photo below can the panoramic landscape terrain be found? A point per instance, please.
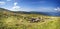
(29, 14)
(27, 20)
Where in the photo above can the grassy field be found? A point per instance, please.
(21, 21)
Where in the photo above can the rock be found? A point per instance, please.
(34, 20)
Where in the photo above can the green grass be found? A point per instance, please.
(18, 22)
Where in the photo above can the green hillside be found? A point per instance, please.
(11, 20)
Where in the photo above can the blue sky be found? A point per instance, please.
(31, 5)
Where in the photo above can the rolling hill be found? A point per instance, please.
(28, 20)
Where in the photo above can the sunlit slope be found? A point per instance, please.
(50, 24)
(18, 22)
(11, 20)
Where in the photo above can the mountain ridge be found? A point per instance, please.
(34, 12)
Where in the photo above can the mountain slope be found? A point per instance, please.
(24, 20)
(33, 12)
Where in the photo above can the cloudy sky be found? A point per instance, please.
(31, 5)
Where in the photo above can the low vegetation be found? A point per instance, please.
(10, 20)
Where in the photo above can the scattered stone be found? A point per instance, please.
(34, 20)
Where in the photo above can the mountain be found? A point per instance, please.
(52, 13)
(2, 9)
(21, 12)
(33, 12)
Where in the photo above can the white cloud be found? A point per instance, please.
(15, 7)
(57, 9)
(8, 0)
(15, 3)
(2, 2)
(45, 9)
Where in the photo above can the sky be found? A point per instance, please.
(31, 5)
